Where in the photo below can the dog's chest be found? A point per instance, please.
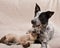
(47, 34)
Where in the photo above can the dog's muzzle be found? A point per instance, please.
(34, 23)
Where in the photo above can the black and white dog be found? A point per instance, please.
(41, 21)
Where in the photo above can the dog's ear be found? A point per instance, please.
(37, 8)
(49, 14)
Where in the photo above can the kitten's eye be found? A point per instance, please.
(34, 31)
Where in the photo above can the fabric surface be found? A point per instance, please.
(16, 15)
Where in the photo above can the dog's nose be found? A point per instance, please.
(33, 22)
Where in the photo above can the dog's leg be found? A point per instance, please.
(44, 45)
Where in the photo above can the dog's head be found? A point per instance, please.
(41, 18)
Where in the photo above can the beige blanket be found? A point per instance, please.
(15, 17)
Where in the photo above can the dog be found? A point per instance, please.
(24, 40)
(41, 20)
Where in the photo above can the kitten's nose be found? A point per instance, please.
(33, 22)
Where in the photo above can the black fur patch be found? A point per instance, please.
(37, 42)
(43, 18)
(37, 8)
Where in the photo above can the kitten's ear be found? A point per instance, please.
(49, 14)
(37, 8)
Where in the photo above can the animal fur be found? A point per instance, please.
(41, 20)
(24, 40)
